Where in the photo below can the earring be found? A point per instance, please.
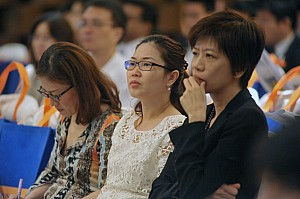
(169, 88)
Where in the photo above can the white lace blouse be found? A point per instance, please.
(137, 158)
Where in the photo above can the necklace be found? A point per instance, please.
(210, 117)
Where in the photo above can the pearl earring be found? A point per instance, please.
(169, 88)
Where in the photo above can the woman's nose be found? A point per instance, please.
(136, 71)
(198, 64)
(53, 102)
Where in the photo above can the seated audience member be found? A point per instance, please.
(101, 28)
(48, 29)
(72, 11)
(87, 99)
(141, 143)
(279, 20)
(191, 11)
(142, 19)
(154, 75)
(281, 173)
(214, 146)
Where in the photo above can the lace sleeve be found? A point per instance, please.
(165, 149)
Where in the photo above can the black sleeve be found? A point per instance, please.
(200, 176)
(165, 186)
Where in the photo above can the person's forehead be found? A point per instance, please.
(207, 40)
(264, 12)
(132, 9)
(97, 13)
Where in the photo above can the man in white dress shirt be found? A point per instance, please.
(101, 29)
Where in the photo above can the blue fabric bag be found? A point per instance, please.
(24, 153)
(280, 119)
(12, 80)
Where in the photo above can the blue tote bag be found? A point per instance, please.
(24, 153)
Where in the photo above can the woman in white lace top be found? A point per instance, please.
(141, 143)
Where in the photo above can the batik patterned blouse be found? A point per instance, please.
(83, 168)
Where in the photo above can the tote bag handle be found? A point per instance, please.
(23, 79)
(48, 112)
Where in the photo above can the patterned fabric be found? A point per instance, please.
(83, 168)
(137, 157)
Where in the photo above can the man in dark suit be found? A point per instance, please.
(279, 20)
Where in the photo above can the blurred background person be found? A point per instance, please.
(191, 11)
(48, 29)
(45, 31)
(279, 20)
(142, 18)
(220, 5)
(72, 11)
(298, 17)
(267, 72)
(101, 28)
(280, 164)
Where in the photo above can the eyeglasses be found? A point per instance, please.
(53, 97)
(143, 65)
(92, 23)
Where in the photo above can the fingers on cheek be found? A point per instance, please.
(182, 98)
(186, 82)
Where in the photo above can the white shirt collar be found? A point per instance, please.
(281, 47)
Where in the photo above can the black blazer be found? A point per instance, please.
(292, 55)
(202, 162)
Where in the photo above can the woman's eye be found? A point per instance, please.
(147, 64)
(209, 56)
(131, 63)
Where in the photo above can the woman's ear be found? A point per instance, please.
(172, 77)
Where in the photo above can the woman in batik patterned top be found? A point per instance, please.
(90, 107)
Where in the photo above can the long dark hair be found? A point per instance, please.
(67, 63)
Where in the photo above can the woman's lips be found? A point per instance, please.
(134, 83)
(199, 80)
